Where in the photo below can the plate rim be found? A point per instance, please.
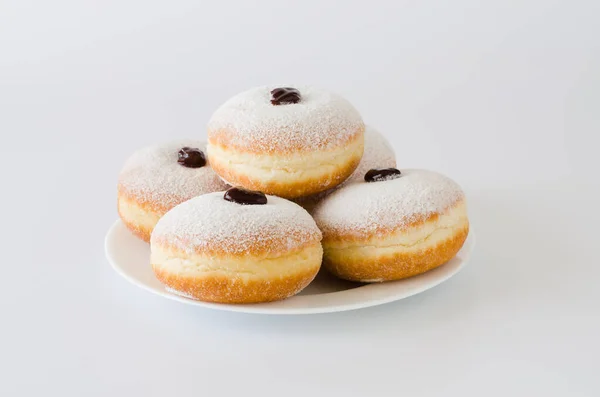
(267, 308)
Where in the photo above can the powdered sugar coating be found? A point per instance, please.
(209, 224)
(366, 209)
(153, 176)
(319, 121)
(378, 153)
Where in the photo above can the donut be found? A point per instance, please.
(393, 225)
(378, 153)
(236, 247)
(285, 141)
(157, 178)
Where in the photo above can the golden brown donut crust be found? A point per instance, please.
(223, 289)
(225, 137)
(284, 188)
(399, 265)
(143, 233)
(139, 217)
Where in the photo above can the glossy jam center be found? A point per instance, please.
(245, 197)
(285, 95)
(382, 174)
(191, 157)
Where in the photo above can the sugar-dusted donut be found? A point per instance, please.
(237, 247)
(286, 141)
(397, 225)
(157, 178)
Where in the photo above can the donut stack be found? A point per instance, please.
(290, 181)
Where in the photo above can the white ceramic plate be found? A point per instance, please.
(129, 256)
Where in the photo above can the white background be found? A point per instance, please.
(504, 96)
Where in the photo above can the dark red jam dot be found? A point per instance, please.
(285, 95)
(245, 197)
(191, 157)
(382, 174)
